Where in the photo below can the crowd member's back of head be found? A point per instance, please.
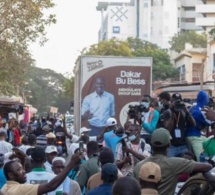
(126, 186)
(165, 96)
(25, 140)
(106, 156)
(92, 148)
(85, 139)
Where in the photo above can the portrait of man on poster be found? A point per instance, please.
(97, 107)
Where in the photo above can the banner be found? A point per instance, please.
(109, 85)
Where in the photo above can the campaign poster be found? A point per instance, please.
(109, 85)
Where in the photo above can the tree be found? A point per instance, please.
(162, 68)
(24, 21)
(14, 62)
(68, 87)
(212, 34)
(21, 23)
(111, 47)
(197, 40)
(44, 88)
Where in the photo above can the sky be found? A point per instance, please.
(77, 27)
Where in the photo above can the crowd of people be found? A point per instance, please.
(162, 143)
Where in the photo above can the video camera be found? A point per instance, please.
(134, 110)
(179, 104)
(119, 131)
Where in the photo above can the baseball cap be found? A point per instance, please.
(1, 158)
(111, 121)
(176, 96)
(50, 149)
(109, 172)
(50, 135)
(160, 138)
(150, 172)
(84, 129)
(38, 154)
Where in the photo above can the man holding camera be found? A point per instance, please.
(148, 118)
(131, 150)
(176, 119)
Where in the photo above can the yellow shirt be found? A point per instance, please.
(95, 180)
(148, 191)
(15, 188)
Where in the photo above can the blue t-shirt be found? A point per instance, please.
(103, 189)
(111, 141)
(2, 178)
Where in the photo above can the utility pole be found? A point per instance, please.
(202, 74)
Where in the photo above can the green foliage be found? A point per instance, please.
(68, 87)
(24, 21)
(44, 88)
(162, 68)
(212, 34)
(197, 40)
(110, 48)
(21, 23)
(14, 62)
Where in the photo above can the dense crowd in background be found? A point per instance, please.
(164, 141)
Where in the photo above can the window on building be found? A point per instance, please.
(145, 5)
(189, 8)
(189, 19)
(183, 73)
(156, 2)
(197, 67)
(178, 22)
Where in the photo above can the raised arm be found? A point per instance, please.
(55, 182)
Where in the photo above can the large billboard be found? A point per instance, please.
(108, 85)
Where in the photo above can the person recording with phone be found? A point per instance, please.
(131, 150)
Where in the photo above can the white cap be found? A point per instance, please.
(59, 158)
(50, 135)
(111, 121)
(50, 149)
(58, 123)
(84, 129)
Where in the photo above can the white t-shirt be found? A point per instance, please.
(145, 118)
(40, 176)
(48, 167)
(24, 148)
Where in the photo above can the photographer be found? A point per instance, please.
(176, 119)
(131, 150)
(148, 118)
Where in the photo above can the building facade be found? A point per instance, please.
(156, 21)
(207, 9)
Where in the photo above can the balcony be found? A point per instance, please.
(190, 3)
(205, 9)
(205, 22)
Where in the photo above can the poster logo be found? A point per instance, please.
(94, 65)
